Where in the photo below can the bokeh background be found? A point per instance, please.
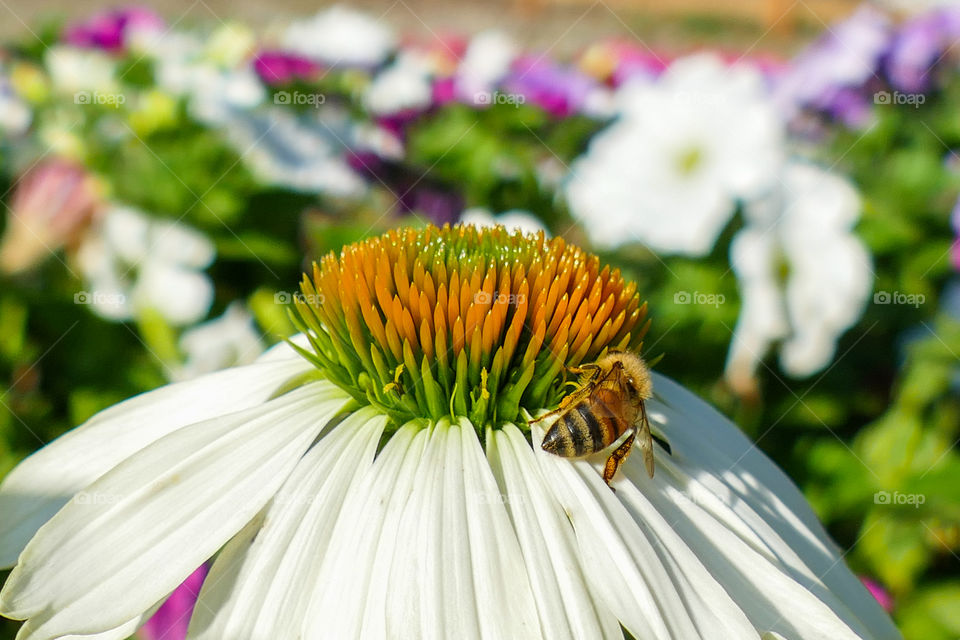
(779, 177)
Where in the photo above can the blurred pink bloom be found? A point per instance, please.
(617, 61)
(52, 204)
(172, 619)
(279, 67)
(108, 30)
(878, 592)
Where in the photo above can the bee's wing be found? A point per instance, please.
(645, 440)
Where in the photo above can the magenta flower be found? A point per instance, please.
(878, 592)
(955, 221)
(109, 30)
(172, 619)
(279, 67)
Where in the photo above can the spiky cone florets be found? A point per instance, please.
(461, 321)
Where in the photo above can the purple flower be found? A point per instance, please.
(279, 68)
(108, 30)
(955, 222)
(919, 44)
(878, 592)
(842, 62)
(558, 89)
(439, 206)
(172, 619)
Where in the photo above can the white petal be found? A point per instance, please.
(261, 591)
(621, 561)
(566, 606)
(45, 481)
(504, 602)
(767, 593)
(364, 532)
(758, 501)
(183, 296)
(163, 512)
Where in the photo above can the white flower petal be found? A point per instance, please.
(621, 561)
(164, 511)
(757, 501)
(121, 632)
(183, 296)
(261, 591)
(180, 244)
(40, 485)
(365, 530)
(767, 592)
(564, 602)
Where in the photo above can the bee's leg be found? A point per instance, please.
(617, 457)
(585, 368)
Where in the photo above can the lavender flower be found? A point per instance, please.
(560, 90)
(829, 75)
(919, 45)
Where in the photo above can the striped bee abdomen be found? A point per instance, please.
(586, 428)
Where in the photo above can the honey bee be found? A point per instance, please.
(608, 403)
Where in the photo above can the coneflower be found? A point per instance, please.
(378, 479)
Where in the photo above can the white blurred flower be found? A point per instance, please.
(15, 115)
(133, 262)
(486, 61)
(212, 76)
(227, 341)
(302, 152)
(513, 219)
(685, 149)
(72, 69)
(340, 35)
(403, 86)
(805, 232)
